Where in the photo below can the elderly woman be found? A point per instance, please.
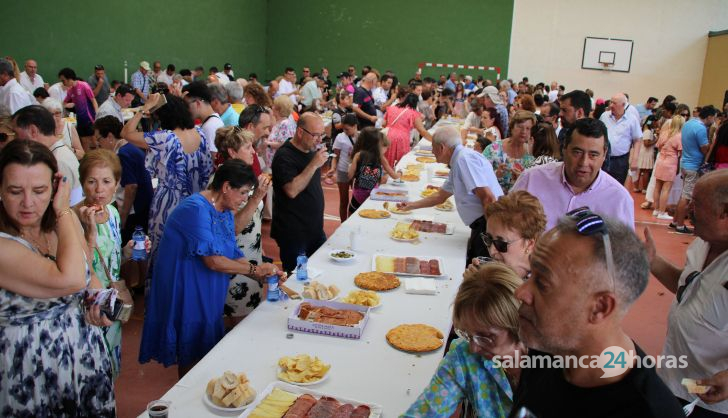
(515, 222)
(244, 293)
(100, 172)
(283, 128)
(64, 129)
(184, 316)
(485, 317)
(178, 155)
(512, 155)
(53, 362)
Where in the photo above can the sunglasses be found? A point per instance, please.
(499, 243)
(479, 340)
(681, 290)
(589, 223)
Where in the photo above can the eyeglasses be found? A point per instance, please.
(589, 223)
(258, 109)
(499, 243)
(315, 136)
(681, 290)
(479, 340)
(685, 115)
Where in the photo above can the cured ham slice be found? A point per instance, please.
(301, 407)
(344, 411)
(361, 411)
(434, 268)
(324, 408)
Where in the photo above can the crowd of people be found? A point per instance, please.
(198, 162)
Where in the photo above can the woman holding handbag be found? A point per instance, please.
(398, 122)
(100, 172)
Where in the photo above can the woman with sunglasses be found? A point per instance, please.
(515, 222)
(485, 317)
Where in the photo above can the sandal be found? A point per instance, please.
(646, 205)
(329, 181)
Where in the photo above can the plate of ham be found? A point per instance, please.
(309, 403)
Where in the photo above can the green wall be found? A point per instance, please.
(82, 33)
(387, 35)
(262, 36)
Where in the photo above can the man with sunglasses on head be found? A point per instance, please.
(198, 96)
(298, 198)
(471, 180)
(578, 180)
(697, 325)
(585, 275)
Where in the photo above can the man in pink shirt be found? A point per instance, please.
(81, 98)
(578, 180)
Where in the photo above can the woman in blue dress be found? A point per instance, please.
(197, 255)
(178, 156)
(53, 361)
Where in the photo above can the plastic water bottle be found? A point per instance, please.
(302, 267)
(140, 249)
(273, 290)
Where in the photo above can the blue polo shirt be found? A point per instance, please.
(230, 117)
(694, 136)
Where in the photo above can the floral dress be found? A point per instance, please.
(497, 156)
(244, 293)
(52, 363)
(180, 175)
(108, 241)
(280, 132)
(463, 375)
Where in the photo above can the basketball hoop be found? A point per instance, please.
(607, 66)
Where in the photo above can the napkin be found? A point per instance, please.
(420, 286)
(312, 272)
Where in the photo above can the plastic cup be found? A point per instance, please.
(158, 409)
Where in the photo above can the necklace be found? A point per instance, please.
(37, 246)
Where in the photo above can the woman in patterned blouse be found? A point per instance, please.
(485, 317)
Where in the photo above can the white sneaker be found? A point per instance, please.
(655, 212)
(664, 216)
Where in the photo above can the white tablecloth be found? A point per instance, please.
(367, 369)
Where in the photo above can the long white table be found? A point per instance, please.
(368, 369)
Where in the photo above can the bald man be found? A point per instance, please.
(298, 198)
(623, 130)
(698, 319)
(366, 111)
(30, 79)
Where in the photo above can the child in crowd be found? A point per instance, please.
(343, 145)
(344, 101)
(367, 165)
(646, 156)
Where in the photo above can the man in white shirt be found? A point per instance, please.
(167, 77)
(36, 123)
(58, 91)
(12, 95)
(554, 92)
(122, 99)
(471, 180)
(698, 318)
(287, 85)
(227, 74)
(624, 129)
(30, 79)
(198, 97)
